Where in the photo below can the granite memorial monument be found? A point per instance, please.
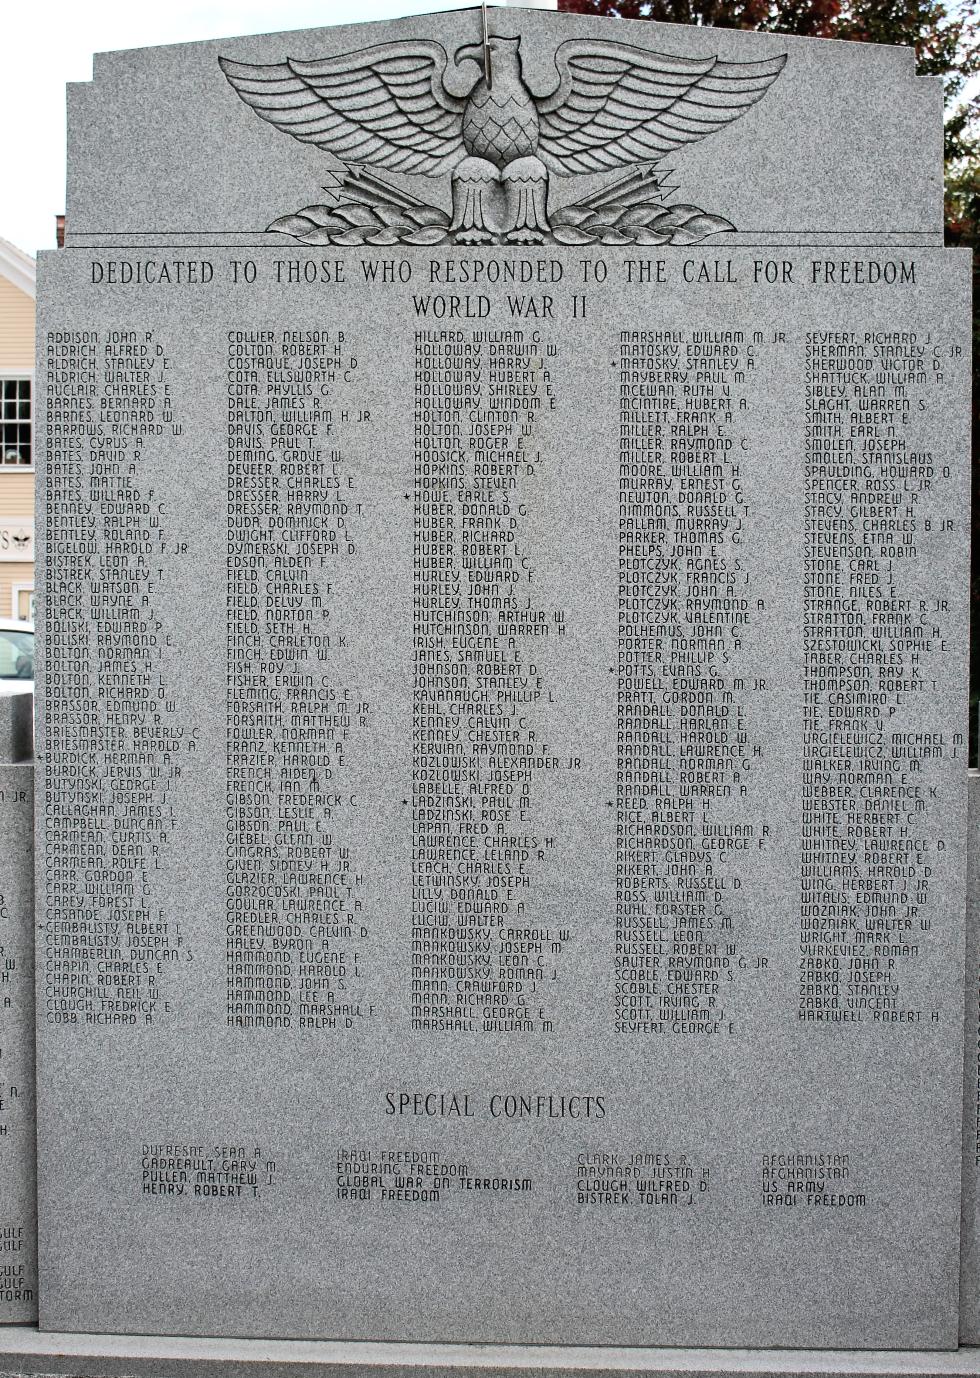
(501, 761)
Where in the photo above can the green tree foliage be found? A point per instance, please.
(812, 17)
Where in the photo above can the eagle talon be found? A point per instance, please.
(524, 237)
(474, 237)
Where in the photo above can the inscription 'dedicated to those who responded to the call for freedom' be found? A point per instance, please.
(500, 755)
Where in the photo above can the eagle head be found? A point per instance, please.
(504, 56)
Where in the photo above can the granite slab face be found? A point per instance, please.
(502, 684)
(18, 1211)
(970, 1234)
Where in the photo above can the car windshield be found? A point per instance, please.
(16, 654)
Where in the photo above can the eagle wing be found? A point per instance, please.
(386, 105)
(616, 104)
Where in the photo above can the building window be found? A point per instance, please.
(22, 602)
(15, 423)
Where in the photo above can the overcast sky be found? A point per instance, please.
(46, 43)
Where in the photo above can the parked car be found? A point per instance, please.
(16, 657)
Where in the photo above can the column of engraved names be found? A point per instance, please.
(872, 654)
(117, 742)
(296, 922)
(482, 960)
(689, 825)
(18, 1228)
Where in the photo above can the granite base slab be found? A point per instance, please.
(24, 1350)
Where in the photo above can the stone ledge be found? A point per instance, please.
(26, 1351)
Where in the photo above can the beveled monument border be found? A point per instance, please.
(24, 1350)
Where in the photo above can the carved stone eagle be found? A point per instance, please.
(404, 107)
